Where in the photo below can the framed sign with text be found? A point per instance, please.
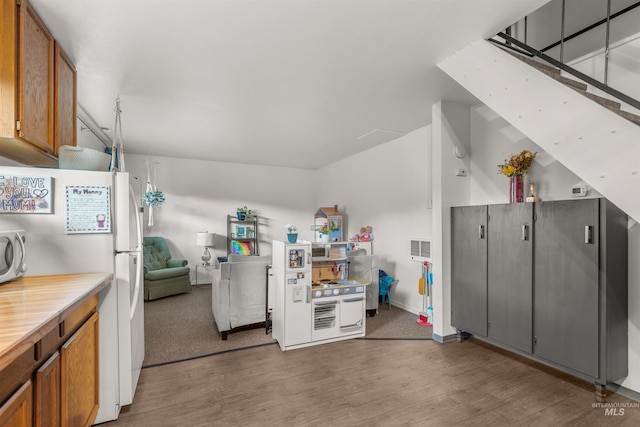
(25, 194)
(88, 209)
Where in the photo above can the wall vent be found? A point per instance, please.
(421, 250)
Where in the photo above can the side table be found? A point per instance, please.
(207, 270)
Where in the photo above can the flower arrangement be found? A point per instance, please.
(153, 198)
(517, 164)
(291, 228)
(324, 229)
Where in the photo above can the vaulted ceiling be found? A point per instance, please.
(296, 83)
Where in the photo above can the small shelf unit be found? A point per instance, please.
(242, 235)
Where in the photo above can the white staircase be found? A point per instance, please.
(595, 143)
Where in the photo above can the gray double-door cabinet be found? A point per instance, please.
(547, 280)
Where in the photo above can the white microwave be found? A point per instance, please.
(12, 255)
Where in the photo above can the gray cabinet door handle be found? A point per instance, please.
(481, 232)
(525, 232)
(588, 232)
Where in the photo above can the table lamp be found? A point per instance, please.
(206, 239)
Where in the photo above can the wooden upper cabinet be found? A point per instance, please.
(37, 88)
(35, 80)
(64, 100)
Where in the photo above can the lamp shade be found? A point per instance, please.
(206, 239)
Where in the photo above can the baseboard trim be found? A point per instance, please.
(444, 339)
(171, 362)
(402, 306)
(623, 391)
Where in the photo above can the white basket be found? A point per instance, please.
(83, 158)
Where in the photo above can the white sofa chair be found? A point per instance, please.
(239, 293)
(366, 267)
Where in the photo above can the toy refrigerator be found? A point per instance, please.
(291, 282)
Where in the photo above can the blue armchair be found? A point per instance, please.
(163, 275)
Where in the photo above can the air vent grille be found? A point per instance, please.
(420, 250)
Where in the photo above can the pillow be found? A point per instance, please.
(241, 248)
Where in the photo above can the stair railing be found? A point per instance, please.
(585, 78)
(523, 48)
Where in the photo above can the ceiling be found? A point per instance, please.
(296, 83)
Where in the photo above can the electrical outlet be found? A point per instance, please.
(461, 172)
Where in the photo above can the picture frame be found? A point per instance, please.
(241, 231)
(241, 248)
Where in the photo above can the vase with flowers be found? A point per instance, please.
(515, 168)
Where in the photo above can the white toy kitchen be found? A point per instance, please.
(312, 298)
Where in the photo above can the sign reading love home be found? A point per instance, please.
(25, 194)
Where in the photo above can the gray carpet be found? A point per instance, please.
(182, 327)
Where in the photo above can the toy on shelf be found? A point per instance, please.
(328, 224)
(366, 235)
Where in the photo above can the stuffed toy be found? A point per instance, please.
(366, 234)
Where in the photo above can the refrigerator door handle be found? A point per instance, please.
(138, 285)
(136, 292)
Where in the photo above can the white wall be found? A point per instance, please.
(451, 131)
(200, 194)
(389, 188)
(494, 140)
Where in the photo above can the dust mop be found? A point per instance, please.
(424, 288)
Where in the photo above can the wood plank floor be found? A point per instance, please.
(368, 383)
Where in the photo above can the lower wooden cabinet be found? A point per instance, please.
(80, 373)
(64, 389)
(17, 411)
(47, 393)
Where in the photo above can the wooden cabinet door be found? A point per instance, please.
(79, 375)
(510, 275)
(18, 410)
(35, 80)
(64, 100)
(469, 269)
(566, 284)
(47, 393)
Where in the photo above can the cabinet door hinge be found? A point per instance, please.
(18, 125)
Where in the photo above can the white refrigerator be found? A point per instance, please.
(53, 246)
